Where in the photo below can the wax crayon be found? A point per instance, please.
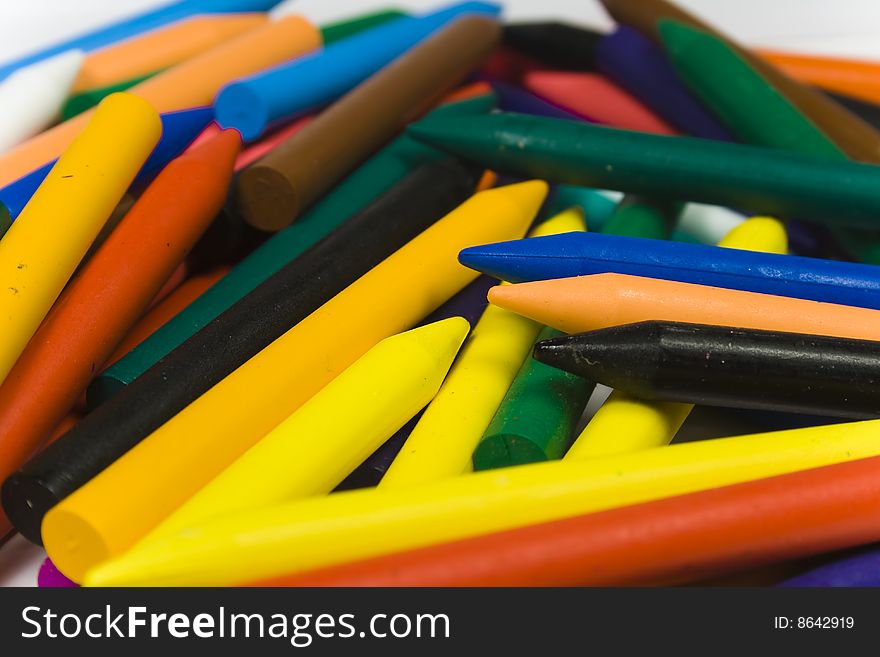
(162, 48)
(638, 216)
(246, 405)
(139, 24)
(117, 284)
(516, 99)
(860, 569)
(760, 180)
(38, 254)
(442, 442)
(593, 96)
(254, 104)
(351, 26)
(49, 577)
(238, 334)
(31, 97)
(671, 541)
(309, 534)
(596, 205)
(587, 303)
(576, 254)
(84, 100)
(556, 45)
(859, 140)
(536, 419)
(855, 78)
(192, 83)
(310, 452)
(639, 66)
(275, 190)
(724, 366)
(708, 224)
(353, 194)
(178, 131)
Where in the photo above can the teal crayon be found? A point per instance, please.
(758, 180)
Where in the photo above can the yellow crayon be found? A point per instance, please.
(335, 431)
(344, 527)
(131, 497)
(442, 442)
(626, 424)
(44, 246)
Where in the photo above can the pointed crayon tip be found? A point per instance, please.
(219, 151)
(568, 221)
(528, 196)
(758, 234)
(441, 339)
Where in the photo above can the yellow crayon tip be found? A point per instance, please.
(758, 234)
(568, 221)
(529, 194)
(441, 339)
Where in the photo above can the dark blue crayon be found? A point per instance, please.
(578, 254)
(179, 129)
(515, 99)
(638, 65)
(862, 569)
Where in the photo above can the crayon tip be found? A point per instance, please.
(441, 339)
(446, 133)
(678, 37)
(582, 360)
(528, 196)
(758, 234)
(219, 151)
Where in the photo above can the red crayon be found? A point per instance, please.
(594, 97)
(670, 541)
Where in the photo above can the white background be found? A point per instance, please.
(840, 27)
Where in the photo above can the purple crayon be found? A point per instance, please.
(49, 577)
(862, 569)
(640, 66)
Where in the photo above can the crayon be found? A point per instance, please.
(117, 284)
(868, 112)
(38, 254)
(163, 48)
(860, 141)
(637, 216)
(49, 577)
(310, 452)
(308, 534)
(556, 45)
(760, 180)
(31, 97)
(724, 366)
(576, 254)
(707, 224)
(593, 96)
(161, 312)
(516, 99)
(626, 424)
(130, 27)
(253, 400)
(351, 26)
(192, 83)
(588, 303)
(639, 66)
(442, 442)
(352, 195)
(666, 542)
(178, 131)
(77, 103)
(237, 335)
(255, 104)
(274, 191)
(858, 79)
(596, 205)
(861, 569)
(536, 419)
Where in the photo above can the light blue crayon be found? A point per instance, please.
(255, 104)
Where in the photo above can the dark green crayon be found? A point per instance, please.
(537, 417)
(758, 180)
(86, 100)
(638, 216)
(351, 26)
(358, 190)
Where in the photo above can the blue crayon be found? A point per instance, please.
(131, 27)
(520, 101)
(862, 569)
(640, 66)
(579, 254)
(179, 129)
(257, 103)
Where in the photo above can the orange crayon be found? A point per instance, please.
(847, 76)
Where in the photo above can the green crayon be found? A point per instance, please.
(638, 216)
(86, 100)
(358, 190)
(759, 180)
(351, 26)
(537, 418)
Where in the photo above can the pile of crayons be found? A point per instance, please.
(253, 330)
